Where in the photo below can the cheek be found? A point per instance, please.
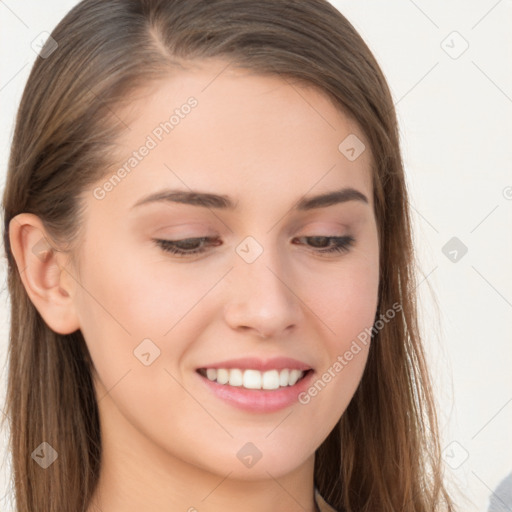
(348, 309)
(126, 300)
(345, 299)
(135, 295)
(116, 310)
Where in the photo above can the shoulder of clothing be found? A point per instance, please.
(323, 506)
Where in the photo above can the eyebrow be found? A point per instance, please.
(208, 200)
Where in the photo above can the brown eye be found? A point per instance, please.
(330, 244)
(186, 246)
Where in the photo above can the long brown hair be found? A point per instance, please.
(383, 455)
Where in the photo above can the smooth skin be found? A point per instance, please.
(266, 142)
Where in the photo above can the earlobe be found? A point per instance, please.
(43, 273)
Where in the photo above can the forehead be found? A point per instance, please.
(233, 131)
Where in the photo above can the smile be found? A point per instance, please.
(254, 379)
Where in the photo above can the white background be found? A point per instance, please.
(455, 116)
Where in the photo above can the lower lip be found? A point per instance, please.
(259, 400)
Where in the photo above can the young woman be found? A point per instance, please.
(211, 270)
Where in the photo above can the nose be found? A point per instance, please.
(262, 297)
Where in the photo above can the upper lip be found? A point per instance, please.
(254, 363)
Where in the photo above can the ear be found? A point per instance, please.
(49, 285)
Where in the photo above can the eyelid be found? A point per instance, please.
(331, 227)
(204, 229)
(337, 245)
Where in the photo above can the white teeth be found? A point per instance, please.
(254, 379)
(270, 380)
(294, 376)
(235, 378)
(222, 376)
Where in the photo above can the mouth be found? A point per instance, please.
(249, 378)
(255, 384)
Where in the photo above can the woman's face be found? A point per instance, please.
(234, 158)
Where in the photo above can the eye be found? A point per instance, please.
(192, 246)
(330, 244)
(187, 246)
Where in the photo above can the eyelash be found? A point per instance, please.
(342, 244)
